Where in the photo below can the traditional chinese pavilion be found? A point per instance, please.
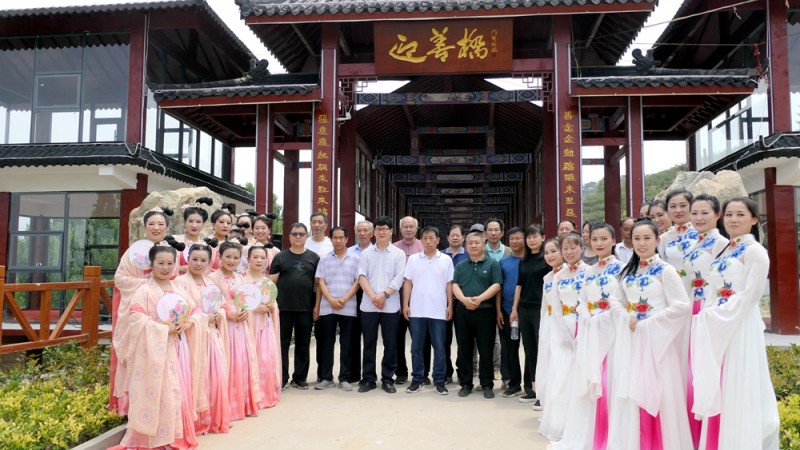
(451, 147)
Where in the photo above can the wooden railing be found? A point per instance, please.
(89, 293)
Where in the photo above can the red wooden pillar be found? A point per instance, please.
(291, 192)
(270, 174)
(612, 188)
(131, 198)
(134, 122)
(347, 192)
(263, 160)
(548, 184)
(634, 156)
(5, 222)
(778, 57)
(568, 126)
(325, 127)
(784, 308)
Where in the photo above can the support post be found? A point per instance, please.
(778, 57)
(263, 161)
(131, 198)
(291, 193)
(612, 188)
(348, 188)
(634, 156)
(783, 289)
(5, 218)
(325, 126)
(134, 122)
(549, 185)
(90, 310)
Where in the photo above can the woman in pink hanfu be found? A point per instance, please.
(217, 417)
(729, 359)
(221, 224)
(705, 213)
(133, 272)
(563, 328)
(244, 392)
(159, 357)
(648, 378)
(266, 329)
(262, 233)
(194, 217)
(599, 305)
(553, 258)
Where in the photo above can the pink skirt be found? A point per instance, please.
(217, 385)
(241, 393)
(269, 361)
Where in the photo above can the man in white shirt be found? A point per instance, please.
(380, 275)
(428, 305)
(319, 243)
(364, 233)
(624, 249)
(410, 245)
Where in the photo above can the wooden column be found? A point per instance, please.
(5, 220)
(270, 177)
(634, 156)
(778, 57)
(568, 126)
(325, 127)
(549, 184)
(263, 160)
(131, 198)
(347, 193)
(291, 192)
(134, 122)
(783, 288)
(612, 188)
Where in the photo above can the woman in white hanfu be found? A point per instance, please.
(648, 379)
(705, 212)
(563, 327)
(553, 258)
(599, 303)
(729, 359)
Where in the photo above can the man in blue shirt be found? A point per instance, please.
(509, 348)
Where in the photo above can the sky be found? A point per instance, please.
(657, 155)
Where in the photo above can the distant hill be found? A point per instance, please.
(593, 193)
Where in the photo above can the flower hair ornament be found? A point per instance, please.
(265, 246)
(236, 240)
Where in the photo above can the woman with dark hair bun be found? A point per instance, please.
(194, 218)
(729, 359)
(648, 379)
(552, 256)
(221, 223)
(681, 236)
(657, 212)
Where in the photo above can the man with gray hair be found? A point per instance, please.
(364, 232)
(410, 245)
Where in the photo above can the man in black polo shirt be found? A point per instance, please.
(476, 282)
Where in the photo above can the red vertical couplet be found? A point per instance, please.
(569, 163)
(325, 127)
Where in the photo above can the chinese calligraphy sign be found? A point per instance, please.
(569, 163)
(452, 46)
(321, 163)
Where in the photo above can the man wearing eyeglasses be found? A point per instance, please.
(380, 275)
(294, 270)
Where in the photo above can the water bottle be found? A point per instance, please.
(515, 330)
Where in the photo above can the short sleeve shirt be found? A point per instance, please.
(384, 270)
(474, 278)
(296, 280)
(429, 278)
(339, 275)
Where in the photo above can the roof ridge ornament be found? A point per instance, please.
(644, 62)
(258, 71)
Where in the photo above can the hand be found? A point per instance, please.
(173, 329)
(218, 316)
(633, 323)
(184, 326)
(241, 316)
(406, 312)
(212, 320)
(273, 307)
(315, 313)
(469, 304)
(513, 316)
(336, 303)
(448, 315)
(379, 300)
(262, 308)
(500, 321)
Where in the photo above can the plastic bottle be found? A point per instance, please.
(515, 330)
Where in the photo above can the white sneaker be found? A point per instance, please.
(537, 405)
(345, 386)
(324, 384)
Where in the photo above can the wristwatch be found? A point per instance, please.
(385, 294)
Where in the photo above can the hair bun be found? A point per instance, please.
(271, 215)
(229, 207)
(211, 241)
(205, 201)
(167, 211)
(243, 241)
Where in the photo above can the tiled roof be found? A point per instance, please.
(310, 7)
(613, 77)
(240, 87)
(81, 154)
(779, 145)
(128, 7)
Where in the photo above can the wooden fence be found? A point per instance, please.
(88, 294)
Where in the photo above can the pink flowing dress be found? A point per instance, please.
(266, 329)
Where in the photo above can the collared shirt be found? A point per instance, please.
(409, 249)
(321, 248)
(339, 275)
(624, 254)
(457, 257)
(429, 278)
(498, 254)
(474, 278)
(510, 266)
(384, 270)
(358, 250)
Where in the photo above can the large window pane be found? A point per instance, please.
(36, 251)
(205, 153)
(58, 91)
(217, 159)
(793, 42)
(38, 212)
(105, 88)
(16, 89)
(59, 54)
(56, 126)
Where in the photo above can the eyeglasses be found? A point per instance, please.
(298, 234)
(243, 225)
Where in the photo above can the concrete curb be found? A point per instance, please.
(108, 439)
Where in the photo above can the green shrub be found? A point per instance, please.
(58, 402)
(789, 409)
(784, 366)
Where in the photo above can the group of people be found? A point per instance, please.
(652, 342)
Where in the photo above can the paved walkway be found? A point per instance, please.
(332, 419)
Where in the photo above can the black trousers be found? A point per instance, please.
(402, 330)
(355, 342)
(473, 328)
(448, 344)
(388, 323)
(326, 341)
(301, 323)
(509, 355)
(529, 317)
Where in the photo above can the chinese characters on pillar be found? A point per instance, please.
(322, 164)
(569, 164)
(453, 46)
